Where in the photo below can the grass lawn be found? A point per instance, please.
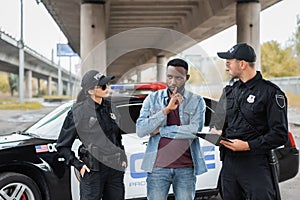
(13, 104)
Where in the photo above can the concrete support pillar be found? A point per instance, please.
(49, 83)
(92, 37)
(28, 84)
(161, 68)
(139, 75)
(59, 81)
(248, 25)
(69, 89)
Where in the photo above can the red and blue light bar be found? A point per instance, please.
(153, 86)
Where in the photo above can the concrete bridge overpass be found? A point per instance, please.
(119, 36)
(35, 65)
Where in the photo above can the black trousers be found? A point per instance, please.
(247, 177)
(105, 184)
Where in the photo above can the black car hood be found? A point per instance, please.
(17, 140)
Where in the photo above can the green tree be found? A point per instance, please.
(277, 61)
(13, 83)
(4, 86)
(296, 39)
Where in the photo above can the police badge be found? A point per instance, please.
(251, 98)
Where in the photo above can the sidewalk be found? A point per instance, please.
(18, 120)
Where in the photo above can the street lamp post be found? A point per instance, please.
(70, 76)
(21, 58)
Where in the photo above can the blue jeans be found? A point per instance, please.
(183, 183)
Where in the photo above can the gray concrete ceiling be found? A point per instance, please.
(197, 19)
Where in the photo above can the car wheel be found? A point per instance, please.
(19, 187)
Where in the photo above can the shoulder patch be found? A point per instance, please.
(280, 100)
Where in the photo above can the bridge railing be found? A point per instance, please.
(28, 50)
(287, 84)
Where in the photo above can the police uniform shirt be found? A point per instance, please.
(105, 117)
(256, 112)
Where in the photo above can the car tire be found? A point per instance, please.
(12, 183)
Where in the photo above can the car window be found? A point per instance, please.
(210, 107)
(49, 126)
(129, 114)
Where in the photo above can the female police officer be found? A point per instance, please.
(94, 120)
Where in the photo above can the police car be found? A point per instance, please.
(31, 169)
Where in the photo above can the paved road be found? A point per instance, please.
(14, 120)
(17, 120)
(290, 188)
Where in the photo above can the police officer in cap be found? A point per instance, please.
(252, 113)
(94, 120)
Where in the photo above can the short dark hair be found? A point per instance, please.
(177, 62)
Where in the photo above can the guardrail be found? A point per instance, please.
(287, 84)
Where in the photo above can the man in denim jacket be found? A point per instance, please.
(170, 117)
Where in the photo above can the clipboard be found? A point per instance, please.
(212, 137)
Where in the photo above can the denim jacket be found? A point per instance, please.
(192, 115)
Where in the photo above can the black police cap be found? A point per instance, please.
(240, 51)
(94, 78)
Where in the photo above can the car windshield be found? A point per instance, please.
(49, 126)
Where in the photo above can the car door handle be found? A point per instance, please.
(145, 143)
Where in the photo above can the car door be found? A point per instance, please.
(135, 178)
